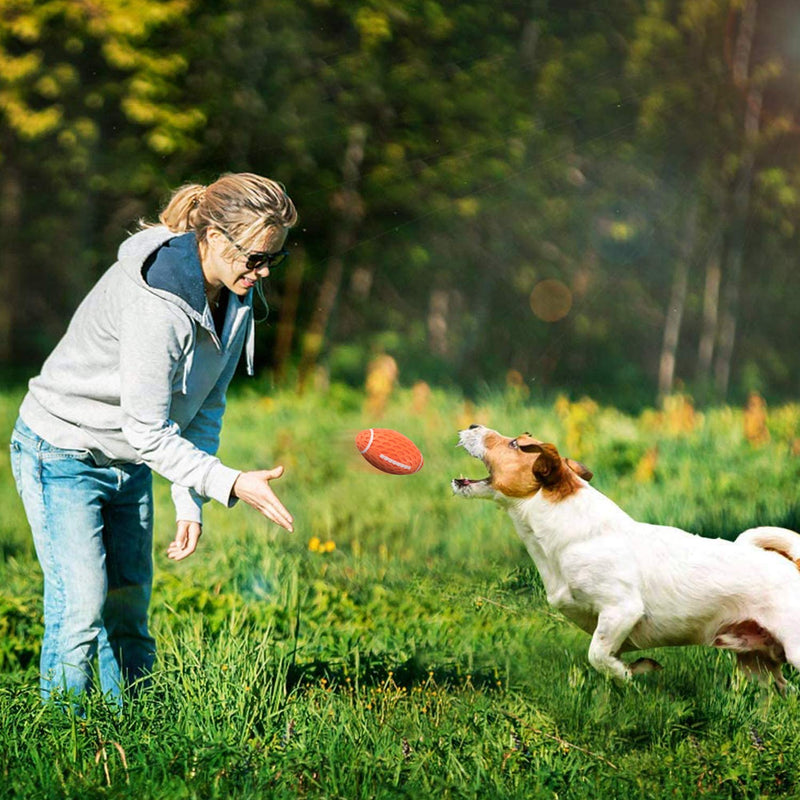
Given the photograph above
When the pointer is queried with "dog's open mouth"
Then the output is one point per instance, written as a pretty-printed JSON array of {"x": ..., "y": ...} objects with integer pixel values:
[
  {"x": 469, "y": 487},
  {"x": 462, "y": 483},
  {"x": 472, "y": 440}
]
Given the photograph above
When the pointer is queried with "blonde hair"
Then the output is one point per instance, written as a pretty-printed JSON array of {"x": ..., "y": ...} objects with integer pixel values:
[{"x": 251, "y": 209}]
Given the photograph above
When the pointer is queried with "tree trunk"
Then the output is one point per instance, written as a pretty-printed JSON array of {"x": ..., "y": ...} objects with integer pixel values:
[
  {"x": 486, "y": 243},
  {"x": 741, "y": 202},
  {"x": 10, "y": 222},
  {"x": 708, "y": 334},
  {"x": 348, "y": 203},
  {"x": 287, "y": 321},
  {"x": 677, "y": 304}
]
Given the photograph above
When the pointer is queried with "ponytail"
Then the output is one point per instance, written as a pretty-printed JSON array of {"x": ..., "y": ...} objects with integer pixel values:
[{"x": 182, "y": 213}]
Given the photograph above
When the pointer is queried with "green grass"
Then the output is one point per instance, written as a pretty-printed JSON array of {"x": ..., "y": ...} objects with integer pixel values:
[{"x": 418, "y": 658}]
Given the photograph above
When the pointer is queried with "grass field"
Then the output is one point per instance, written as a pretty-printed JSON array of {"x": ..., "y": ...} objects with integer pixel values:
[{"x": 398, "y": 643}]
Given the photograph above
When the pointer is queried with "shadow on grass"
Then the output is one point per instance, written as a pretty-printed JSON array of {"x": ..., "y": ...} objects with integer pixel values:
[{"x": 377, "y": 670}]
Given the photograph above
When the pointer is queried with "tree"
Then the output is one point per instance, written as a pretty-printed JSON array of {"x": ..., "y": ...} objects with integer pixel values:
[{"x": 86, "y": 114}]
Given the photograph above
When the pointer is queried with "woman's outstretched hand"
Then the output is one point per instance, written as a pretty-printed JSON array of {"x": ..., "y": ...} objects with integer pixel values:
[
  {"x": 254, "y": 489},
  {"x": 186, "y": 538}
]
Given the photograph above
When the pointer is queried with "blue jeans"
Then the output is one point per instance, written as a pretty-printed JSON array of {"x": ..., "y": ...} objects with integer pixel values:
[{"x": 93, "y": 533}]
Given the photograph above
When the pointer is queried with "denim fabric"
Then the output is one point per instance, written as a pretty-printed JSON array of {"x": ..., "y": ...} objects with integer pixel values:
[{"x": 93, "y": 533}]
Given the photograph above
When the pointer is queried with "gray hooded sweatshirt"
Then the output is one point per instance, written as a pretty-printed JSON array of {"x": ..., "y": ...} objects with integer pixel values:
[{"x": 140, "y": 375}]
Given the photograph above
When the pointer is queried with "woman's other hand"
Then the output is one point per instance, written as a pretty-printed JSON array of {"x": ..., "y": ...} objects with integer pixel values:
[
  {"x": 186, "y": 538},
  {"x": 254, "y": 489}
]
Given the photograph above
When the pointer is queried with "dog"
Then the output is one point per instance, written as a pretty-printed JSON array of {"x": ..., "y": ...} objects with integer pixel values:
[{"x": 634, "y": 585}]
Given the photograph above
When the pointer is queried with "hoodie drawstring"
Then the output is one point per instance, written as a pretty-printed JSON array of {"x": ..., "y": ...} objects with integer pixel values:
[
  {"x": 250, "y": 344},
  {"x": 249, "y": 348},
  {"x": 188, "y": 361}
]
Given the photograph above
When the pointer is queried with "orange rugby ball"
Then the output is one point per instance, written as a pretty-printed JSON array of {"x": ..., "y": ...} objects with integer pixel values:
[{"x": 389, "y": 451}]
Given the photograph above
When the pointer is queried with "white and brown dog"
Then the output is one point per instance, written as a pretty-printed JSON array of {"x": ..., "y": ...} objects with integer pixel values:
[{"x": 634, "y": 585}]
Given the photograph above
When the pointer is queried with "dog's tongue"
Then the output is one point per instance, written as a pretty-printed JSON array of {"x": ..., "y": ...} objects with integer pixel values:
[{"x": 466, "y": 481}]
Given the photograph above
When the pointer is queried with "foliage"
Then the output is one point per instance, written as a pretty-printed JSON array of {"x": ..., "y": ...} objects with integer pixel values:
[
  {"x": 418, "y": 656},
  {"x": 504, "y": 144}
]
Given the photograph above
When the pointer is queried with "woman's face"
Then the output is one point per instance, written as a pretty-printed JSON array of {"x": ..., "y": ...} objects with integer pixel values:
[{"x": 220, "y": 268}]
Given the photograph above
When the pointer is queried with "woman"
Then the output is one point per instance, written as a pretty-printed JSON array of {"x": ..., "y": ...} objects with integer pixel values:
[{"x": 136, "y": 384}]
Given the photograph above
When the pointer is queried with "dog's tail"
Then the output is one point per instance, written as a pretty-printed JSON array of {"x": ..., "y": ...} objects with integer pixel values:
[{"x": 782, "y": 540}]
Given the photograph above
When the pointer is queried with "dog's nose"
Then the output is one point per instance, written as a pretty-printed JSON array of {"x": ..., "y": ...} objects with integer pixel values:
[{"x": 474, "y": 426}]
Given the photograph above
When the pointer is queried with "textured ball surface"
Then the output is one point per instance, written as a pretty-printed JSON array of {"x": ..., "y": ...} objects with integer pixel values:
[{"x": 389, "y": 451}]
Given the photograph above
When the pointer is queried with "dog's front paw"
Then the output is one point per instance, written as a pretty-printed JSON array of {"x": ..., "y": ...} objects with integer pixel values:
[{"x": 643, "y": 665}]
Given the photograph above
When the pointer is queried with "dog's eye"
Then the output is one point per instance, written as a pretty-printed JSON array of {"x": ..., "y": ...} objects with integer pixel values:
[{"x": 513, "y": 444}]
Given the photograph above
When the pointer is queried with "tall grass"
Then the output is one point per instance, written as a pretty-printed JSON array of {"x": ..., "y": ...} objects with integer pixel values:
[{"x": 414, "y": 656}]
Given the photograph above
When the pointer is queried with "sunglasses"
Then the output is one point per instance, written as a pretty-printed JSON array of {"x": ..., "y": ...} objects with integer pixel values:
[{"x": 259, "y": 259}]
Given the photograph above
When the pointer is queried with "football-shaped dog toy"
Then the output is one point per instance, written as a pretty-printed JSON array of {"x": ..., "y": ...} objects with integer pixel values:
[{"x": 389, "y": 451}]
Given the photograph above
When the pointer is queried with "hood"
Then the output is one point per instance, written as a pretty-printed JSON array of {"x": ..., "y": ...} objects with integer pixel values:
[
  {"x": 140, "y": 245},
  {"x": 175, "y": 267},
  {"x": 169, "y": 265}
]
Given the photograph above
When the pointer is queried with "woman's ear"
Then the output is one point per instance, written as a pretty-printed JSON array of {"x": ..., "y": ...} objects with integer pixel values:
[{"x": 215, "y": 237}]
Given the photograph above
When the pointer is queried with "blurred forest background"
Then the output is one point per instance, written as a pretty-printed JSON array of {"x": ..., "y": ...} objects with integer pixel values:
[{"x": 599, "y": 198}]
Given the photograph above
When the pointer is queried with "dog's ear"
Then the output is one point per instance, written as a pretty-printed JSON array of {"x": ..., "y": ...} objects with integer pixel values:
[
  {"x": 546, "y": 468},
  {"x": 579, "y": 469},
  {"x": 528, "y": 444}
]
